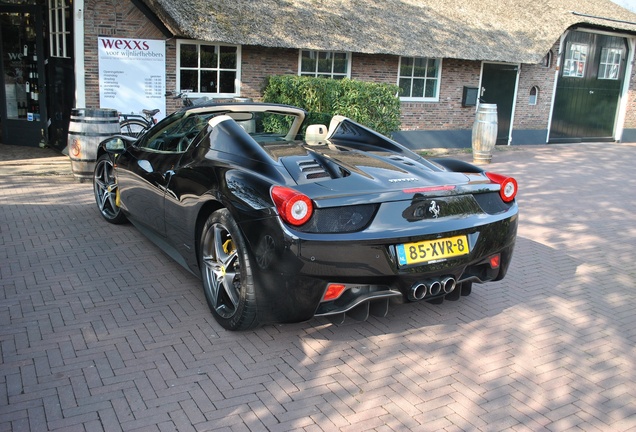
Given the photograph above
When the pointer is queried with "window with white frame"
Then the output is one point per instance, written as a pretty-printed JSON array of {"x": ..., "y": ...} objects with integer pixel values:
[
  {"x": 324, "y": 64},
  {"x": 610, "y": 65},
  {"x": 206, "y": 68},
  {"x": 419, "y": 78},
  {"x": 59, "y": 33}
]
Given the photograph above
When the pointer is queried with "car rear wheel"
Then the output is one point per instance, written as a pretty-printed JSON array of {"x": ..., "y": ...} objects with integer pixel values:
[
  {"x": 107, "y": 191},
  {"x": 227, "y": 274}
]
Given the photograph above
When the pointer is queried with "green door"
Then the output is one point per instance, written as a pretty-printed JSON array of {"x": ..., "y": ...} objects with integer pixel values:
[
  {"x": 498, "y": 83},
  {"x": 589, "y": 88}
]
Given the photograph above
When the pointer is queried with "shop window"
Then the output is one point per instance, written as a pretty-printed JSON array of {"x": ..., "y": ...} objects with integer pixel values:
[
  {"x": 324, "y": 64},
  {"x": 610, "y": 65},
  {"x": 419, "y": 78},
  {"x": 575, "y": 60},
  {"x": 534, "y": 95},
  {"x": 59, "y": 25},
  {"x": 208, "y": 69}
]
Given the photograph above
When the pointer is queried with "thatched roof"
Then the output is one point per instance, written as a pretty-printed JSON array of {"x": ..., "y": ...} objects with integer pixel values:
[{"x": 511, "y": 31}]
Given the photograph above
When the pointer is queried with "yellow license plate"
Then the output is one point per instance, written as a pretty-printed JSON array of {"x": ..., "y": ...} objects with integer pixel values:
[{"x": 432, "y": 250}]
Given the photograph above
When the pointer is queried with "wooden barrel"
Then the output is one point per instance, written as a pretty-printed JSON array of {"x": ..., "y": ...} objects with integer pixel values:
[
  {"x": 87, "y": 128},
  {"x": 484, "y": 133}
]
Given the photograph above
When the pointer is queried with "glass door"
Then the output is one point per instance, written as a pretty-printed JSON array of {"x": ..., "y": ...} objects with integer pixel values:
[{"x": 22, "y": 104}]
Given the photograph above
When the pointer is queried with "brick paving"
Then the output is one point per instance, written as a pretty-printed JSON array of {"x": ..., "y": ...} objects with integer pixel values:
[{"x": 101, "y": 331}]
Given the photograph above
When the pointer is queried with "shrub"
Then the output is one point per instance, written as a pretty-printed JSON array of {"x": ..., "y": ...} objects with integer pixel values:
[{"x": 371, "y": 104}]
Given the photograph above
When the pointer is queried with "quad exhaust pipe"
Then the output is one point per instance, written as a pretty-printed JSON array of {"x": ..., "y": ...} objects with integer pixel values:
[
  {"x": 434, "y": 288},
  {"x": 377, "y": 302},
  {"x": 430, "y": 289},
  {"x": 417, "y": 292},
  {"x": 448, "y": 284}
]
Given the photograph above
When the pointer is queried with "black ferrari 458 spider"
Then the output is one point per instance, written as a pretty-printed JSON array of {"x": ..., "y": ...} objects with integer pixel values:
[{"x": 285, "y": 221}]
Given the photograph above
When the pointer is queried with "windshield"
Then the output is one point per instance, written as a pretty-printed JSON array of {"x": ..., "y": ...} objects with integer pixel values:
[
  {"x": 269, "y": 126},
  {"x": 262, "y": 123},
  {"x": 174, "y": 133}
]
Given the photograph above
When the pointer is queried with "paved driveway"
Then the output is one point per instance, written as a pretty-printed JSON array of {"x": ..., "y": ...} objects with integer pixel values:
[{"x": 101, "y": 331}]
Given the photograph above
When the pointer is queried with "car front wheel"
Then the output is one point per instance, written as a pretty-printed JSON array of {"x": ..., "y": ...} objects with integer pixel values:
[
  {"x": 107, "y": 191},
  {"x": 227, "y": 274}
]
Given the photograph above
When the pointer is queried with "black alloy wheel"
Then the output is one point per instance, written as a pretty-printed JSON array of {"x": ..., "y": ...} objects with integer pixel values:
[
  {"x": 227, "y": 273},
  {"x": 106, "y": 190}
]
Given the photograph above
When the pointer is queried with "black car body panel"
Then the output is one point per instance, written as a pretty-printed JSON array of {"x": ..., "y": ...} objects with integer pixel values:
[{"x": 369, "y": 195}]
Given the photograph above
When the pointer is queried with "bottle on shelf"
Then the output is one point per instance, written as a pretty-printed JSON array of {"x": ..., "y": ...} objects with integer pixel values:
[{"x": 35, "y": 94}]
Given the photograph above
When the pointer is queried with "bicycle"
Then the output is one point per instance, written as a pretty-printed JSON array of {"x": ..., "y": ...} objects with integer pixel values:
[
  {"x": 134, "y": 125},
  {"x": 187, "y": 102}
]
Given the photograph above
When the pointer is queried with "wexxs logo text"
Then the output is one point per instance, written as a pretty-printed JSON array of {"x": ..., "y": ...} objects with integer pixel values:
[{"x": 125, "y": 44}]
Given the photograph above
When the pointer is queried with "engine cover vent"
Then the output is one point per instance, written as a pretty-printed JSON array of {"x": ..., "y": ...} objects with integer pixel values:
[{"x": 312, "y": 170}]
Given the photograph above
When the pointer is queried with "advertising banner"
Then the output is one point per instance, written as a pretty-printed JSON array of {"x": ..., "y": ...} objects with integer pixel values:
[{"x": 132, "y": 75}]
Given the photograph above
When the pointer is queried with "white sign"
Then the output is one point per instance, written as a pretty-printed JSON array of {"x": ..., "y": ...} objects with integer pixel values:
[{"x": 132, "y": 75}]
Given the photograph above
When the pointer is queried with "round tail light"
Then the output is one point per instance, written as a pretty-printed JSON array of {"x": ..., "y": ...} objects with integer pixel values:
[
  {"x": 293, "y": 207},
  {"x": 509, "y": 186}
]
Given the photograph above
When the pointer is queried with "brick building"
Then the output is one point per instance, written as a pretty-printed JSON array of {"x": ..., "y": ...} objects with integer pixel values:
[{"x": 559, "y": 71}]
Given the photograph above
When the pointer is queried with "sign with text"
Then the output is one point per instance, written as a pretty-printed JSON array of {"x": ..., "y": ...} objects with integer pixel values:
[{"x": 132, "y": 75}]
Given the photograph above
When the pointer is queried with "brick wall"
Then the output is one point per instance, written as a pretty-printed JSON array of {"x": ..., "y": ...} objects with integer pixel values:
[
  {"x": 259, "y": 62},
  {"x": 541, "y": 76},
  {"x": 448, "y": 113},
  {"x": 630, "y": 116},
  {"x": 374, "y": 68}
]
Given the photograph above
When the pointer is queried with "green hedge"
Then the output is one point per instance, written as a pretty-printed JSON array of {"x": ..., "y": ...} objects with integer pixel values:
[{"x": 373, "y": 105}]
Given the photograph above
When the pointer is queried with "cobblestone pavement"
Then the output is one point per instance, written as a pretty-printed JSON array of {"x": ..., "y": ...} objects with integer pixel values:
[
  {"x": 101, "y": 331},
  {"x": 32, "y": 161}
]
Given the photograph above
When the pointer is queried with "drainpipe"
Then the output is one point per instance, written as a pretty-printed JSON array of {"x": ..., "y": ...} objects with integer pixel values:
[
  {"x": 78, "y": 47},
  {"x": 556, "y": 81},
  {"x": 622, "y": 107}
]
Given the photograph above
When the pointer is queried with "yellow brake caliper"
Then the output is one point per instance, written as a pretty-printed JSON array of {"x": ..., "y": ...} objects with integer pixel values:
[{"x": 228, "y": 246}]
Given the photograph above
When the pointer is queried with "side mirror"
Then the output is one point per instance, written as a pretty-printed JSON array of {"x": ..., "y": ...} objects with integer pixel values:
[{"x": 114, "y": 145}]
